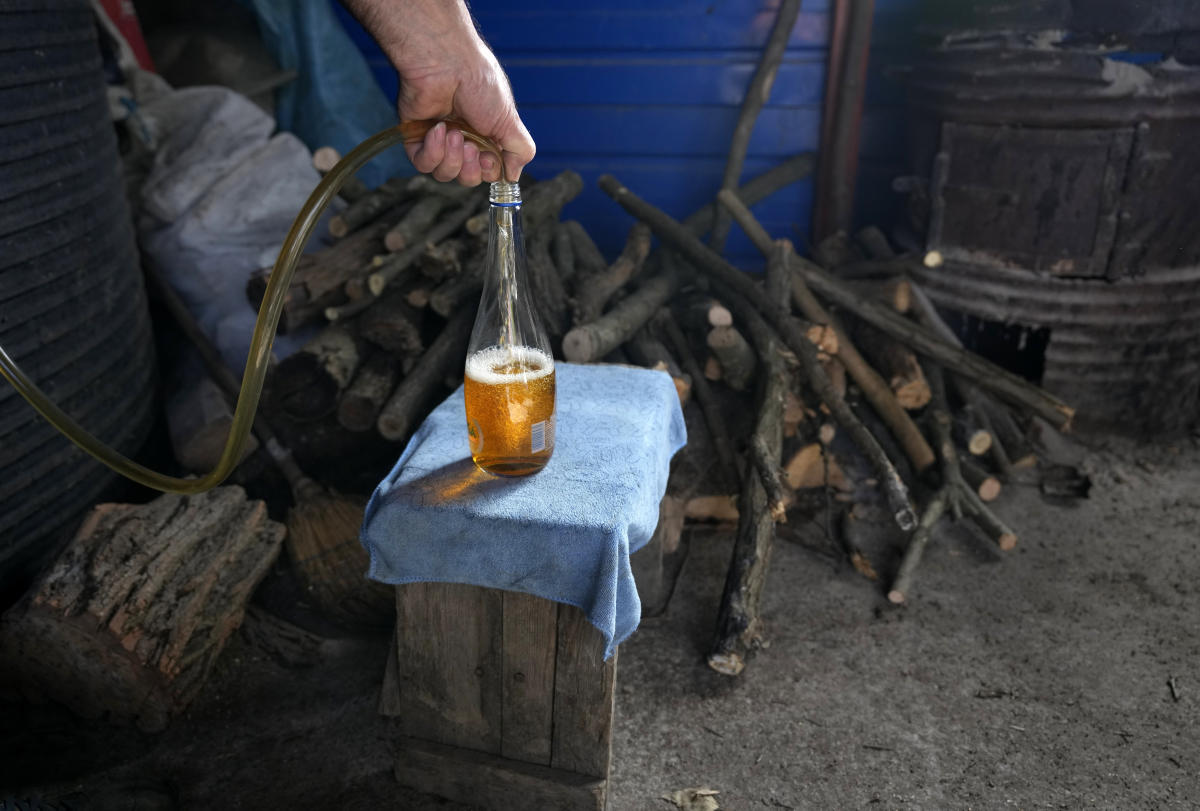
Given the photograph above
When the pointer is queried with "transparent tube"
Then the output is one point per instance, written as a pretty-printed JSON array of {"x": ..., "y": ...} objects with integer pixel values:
[{"x": 260, "y": 347}]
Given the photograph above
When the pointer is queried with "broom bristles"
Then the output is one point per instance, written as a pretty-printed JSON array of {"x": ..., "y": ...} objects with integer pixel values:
[{"x": 322, "y": 542}]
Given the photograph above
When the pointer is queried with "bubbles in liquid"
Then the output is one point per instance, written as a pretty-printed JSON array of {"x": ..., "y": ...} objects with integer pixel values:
[{"x": 510, "y": 394}]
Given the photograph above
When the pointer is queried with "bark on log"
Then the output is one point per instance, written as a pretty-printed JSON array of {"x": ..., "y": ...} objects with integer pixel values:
[
  {"x": 450, "y": 295},
  {"x": 753, "y": 303},
  {"x": 364, "y": 399},
  {"x": 836, "y": 250},
  {"x": 935, "y": 508},
  {"x": 897, "y": 365},
  {"x": 874, "y": 243},
  {"x": 392, "y": 323},
  {"x": 588, "y": 259},
  {"x": 874, "y": 387},
  {"x": 549, "y": 297},
  {"x": 593, "y": 292},
  {"x": 588, "y": 342},
  {"x": 321, "y": 276},
  {"x": 752, "y": 102},
  {"x": 778, "y": 283},
  {"x": 836, "y": 206},
  {"x": 739, "y": 628},
  {"x": 665, "y": 322},
  {"x": 390, "y": 267},
  {"x": 646, "y": 350},
  {"x": 563, "y": 252},
  {"x": 737, "y": 358},
  {"x": 411, "y": 228},
  {"x": 306, "y": 384},
  {"x": 443, "y": 260},
  {"x": 416, "y": 393},
  {"x": 767, "y": 465},
  {"x": 131, "y": 618},
  {"x": 755, "y": 190},
  {"x": 370, "y": 206}
]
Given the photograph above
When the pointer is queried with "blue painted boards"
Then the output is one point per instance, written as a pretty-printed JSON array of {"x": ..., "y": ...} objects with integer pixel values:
[{"x": 650, "y": 92}]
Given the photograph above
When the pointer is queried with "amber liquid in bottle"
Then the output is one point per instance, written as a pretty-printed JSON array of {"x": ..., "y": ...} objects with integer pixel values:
[{"x": 509, "y": 382}]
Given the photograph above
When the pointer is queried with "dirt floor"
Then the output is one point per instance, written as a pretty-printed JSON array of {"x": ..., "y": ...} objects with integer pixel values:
[{"x": 1041, "y": 678}]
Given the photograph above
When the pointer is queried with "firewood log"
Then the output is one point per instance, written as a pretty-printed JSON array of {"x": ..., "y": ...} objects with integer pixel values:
[
  {"x": 755, "y": 97},
  {"x": 443, "y": 260},
  {"x": 360, "y": 405},
  {"x": 131, "y": 618},
  {"x": 897, "y": 365},
  {"x": 321, "y": 276},
  {"x": 412, "y": 227},
  {"x": 594, "y": 292},
  {"x": 646, "y": 350},
  {"x": 588, "y": 259},
  {"x": 549, "y": 297},
  {"x": 465, "y": 288},
  {"x": 563, "y": 252},
  {"x": 306, "y": 384},
  {"x": 737, "y": 358},
  {"x": 587, "y": 342},
  {"x": 388, "y": 268},
  {"x": 738, "y": 624},
  {"x": 392, "y": 323},
  {"x": 415, "y": 394},
  {"x": 370, "y": 206}
]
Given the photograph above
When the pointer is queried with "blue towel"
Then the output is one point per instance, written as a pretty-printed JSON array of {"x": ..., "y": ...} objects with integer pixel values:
[{"x": 565, "y": 533}]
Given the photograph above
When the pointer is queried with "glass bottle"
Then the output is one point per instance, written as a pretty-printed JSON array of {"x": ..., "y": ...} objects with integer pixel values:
[{"x": 509, "y": 380}]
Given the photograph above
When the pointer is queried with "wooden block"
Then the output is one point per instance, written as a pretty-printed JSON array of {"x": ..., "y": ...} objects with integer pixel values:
[
  {"x": 448, "y": 657},
  {"x": 583, "y": 697},
  {"x": 491, "y": 782},
  {"x": 530, "y": 636}
]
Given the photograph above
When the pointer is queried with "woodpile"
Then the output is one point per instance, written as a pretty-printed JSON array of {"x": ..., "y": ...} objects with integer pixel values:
[
  {"x": 859, "y": 393},
  {"x": 837, "y": 381}
]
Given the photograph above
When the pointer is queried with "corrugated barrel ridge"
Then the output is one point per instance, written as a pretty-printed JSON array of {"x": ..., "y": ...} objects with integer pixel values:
[{"x": 73, "y": 310}]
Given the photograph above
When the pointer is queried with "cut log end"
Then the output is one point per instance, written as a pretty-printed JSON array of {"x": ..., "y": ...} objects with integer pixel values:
[
  {"x": 989, "y": 489},
  {"x": 325, "y": 158},
  {"x": 979, "y": 442},
  {"x": 912, "y": 395},
  {"x": 896, "y": 597},
  {"x": 338, "y": 227},
  {"x": 376, "y": 282},
  {"x": 1007, "y": 542}
]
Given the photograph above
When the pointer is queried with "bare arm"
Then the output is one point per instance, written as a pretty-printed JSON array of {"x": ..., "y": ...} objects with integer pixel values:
[{"x": 447, "y": 70}]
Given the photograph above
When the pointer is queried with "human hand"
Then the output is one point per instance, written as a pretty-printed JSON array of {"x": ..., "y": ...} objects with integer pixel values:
[{"x": 447, "y": 71}]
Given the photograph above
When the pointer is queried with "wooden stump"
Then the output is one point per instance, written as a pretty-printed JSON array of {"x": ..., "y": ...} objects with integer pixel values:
[
  {"x": 503, "y": 699},
  {"x": 133, "y": 615}
]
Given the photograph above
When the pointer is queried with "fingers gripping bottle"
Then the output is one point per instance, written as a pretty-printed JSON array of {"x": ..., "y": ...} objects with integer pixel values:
[{"x": 509, "y": 383}]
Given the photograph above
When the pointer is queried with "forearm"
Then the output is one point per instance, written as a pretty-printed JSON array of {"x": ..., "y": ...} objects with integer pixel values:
[{"x": 415, "y": 33}]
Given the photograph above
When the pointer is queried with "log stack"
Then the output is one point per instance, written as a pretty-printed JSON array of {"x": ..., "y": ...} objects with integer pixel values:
[{"x": 812, "y": 388}]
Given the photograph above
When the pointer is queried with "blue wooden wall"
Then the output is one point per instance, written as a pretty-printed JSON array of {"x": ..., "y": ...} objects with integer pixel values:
[{"x": 649, "y": 91}]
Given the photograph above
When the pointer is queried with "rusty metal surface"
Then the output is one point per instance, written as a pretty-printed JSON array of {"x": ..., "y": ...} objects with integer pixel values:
[{"x": 1125, "y": 353}]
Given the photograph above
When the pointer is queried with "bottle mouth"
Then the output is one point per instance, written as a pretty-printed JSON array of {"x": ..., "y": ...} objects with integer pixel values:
[{"x": 504, "y": 193}]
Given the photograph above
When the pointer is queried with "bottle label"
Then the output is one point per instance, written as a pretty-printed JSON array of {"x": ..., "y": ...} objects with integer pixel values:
[{"x": 537, "y": 436}]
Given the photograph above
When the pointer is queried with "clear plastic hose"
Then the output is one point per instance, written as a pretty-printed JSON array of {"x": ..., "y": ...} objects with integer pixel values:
[{"x": 260, "y": 347}]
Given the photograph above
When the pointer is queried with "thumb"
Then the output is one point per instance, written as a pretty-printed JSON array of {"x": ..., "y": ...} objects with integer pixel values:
[{"x": 516, "y": 145}]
